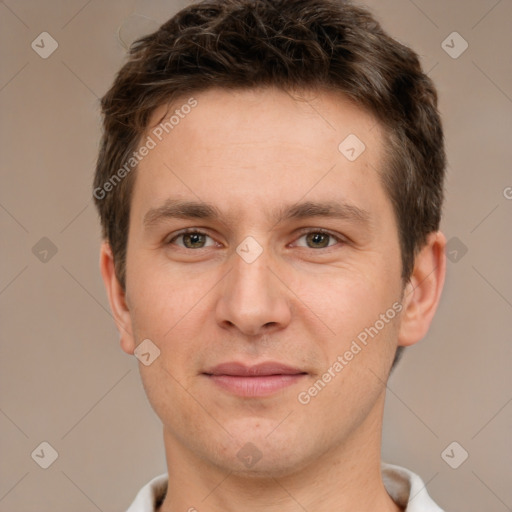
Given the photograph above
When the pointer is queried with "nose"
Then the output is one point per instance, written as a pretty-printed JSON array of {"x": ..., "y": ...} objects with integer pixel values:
[{"x": 253, "y": 300}]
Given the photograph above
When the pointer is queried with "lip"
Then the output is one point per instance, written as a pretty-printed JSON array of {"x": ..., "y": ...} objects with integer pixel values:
[
  {"x": 258, "y": 380},
  {"x": 267, "y": 368}
]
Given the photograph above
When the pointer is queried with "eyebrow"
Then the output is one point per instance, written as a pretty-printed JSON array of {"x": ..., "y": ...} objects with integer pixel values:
[{"x": 179, "y": 209}]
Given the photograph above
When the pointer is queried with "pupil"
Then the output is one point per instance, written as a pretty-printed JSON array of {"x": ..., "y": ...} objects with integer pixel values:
[
  {"x": 318, "y": 239},
  {"x": 193, "y": 239}
]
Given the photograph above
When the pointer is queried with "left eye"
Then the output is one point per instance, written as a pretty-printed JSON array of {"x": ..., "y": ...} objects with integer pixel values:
[{"x": 318, "y": 240}]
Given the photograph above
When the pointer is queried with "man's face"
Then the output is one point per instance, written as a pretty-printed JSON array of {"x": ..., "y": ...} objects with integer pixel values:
[{"x": 272, "y": 279}]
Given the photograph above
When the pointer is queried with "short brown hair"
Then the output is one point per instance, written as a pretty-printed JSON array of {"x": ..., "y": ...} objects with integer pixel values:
[{"x": 293, "y": 45}]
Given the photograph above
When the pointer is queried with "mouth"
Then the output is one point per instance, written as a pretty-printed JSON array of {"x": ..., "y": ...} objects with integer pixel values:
[{"x": 259, "y": 380}]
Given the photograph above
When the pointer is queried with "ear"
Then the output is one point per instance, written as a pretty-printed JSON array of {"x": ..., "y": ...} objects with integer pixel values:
[
  {"x": 423, "y": 292},
  {"x": 117, "y": 299}
]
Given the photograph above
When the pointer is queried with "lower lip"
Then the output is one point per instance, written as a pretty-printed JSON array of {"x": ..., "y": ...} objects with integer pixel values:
[{"x": 263, "y": 385}]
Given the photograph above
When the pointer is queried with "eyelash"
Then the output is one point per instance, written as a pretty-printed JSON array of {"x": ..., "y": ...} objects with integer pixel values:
[{"x": 305, "y": 232}]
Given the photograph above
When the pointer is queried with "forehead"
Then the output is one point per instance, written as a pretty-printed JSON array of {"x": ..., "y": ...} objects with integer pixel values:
[
  {"x": 314, "y": 119},
  {"x": 252, "y": 146}
]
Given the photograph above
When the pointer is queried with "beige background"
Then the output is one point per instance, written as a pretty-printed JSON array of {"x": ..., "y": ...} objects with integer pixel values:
[{"x": 64, "y": 379}]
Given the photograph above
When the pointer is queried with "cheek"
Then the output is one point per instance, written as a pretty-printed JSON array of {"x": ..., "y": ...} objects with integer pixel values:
[
  {"x": 358, "y": 312},
  {"x": 160, "y": 299},
  {"x": 345, "y": 301},
  {"x": 165, "y": 312},
  {"x": 168, "y": 394}
]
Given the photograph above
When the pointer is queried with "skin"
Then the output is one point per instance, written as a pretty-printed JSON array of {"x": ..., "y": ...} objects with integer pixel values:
[{"x": 301, "y": 302}]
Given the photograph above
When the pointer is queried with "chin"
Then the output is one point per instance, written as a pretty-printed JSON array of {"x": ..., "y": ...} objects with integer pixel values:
[{"x": 257, "y": 451}]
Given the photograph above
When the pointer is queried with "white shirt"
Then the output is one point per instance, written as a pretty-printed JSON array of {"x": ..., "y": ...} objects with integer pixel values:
[{"x": 405, "y": 488}]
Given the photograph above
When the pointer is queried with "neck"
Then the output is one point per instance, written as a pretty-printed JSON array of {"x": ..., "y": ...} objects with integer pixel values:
[{"x": 344, "y": 478}]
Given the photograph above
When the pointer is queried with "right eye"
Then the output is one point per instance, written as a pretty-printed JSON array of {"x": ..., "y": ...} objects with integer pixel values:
[{"x": 192, "y": 239}]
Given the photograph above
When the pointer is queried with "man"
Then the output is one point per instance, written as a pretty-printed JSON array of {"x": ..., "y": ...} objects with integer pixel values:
[{"x": 270, "y": 183}]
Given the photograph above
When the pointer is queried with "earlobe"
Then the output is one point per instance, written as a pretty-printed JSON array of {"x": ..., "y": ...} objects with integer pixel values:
[
  {"x": 423, "y": 292},
  {"x": 117, "y": 298}
]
